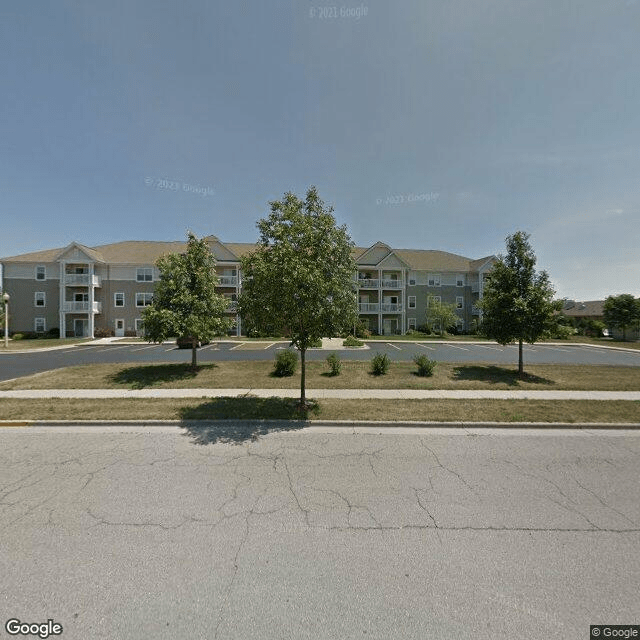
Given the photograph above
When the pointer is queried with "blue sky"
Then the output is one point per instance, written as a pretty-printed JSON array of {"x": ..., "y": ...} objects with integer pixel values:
[{"x": 436, "y": 124}]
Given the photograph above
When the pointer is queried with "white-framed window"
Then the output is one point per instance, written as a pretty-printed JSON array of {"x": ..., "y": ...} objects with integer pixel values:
[
  {"x": 118, "y": 299},
  {"x": 40, "y": 325},
  {"x": 434, "y": 280},
  {"x": 144, "y": 274},
  {"x": 460, "y": 323},
  {"x": 460, "y": 280},
  {"x": 144, "y": 299},
  {"x": 41, "y": 272},
  {"x": 139, "y": 325},
  {"x": 412, "y": 302},
  {"x": 412, "y": 282},
  {"x": 40, "y": 299},
  {"x": 411, "y": 322},
  {"x": 81, "y": 297},
  {"x": 459, "y": 302},
  {"x": 433, "y": 299}
]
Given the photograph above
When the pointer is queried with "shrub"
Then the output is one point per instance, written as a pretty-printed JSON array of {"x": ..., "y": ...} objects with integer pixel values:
[
  {"x": 316, "y": 344},
  {"x": 53, "y": 332},
  {"x": 562, "y": 332},
  {"x": 350, "y": 341},
  {"x": 285, "y": 364},
  {"x": 335, "y": 366},
  {"x": 18, "y": 336},
  {"x": 380, "y": 364},
  {"x": 103, "y": 333},
  {"x": 425, "y": 366},
  {"x": 424, "y": 329}
]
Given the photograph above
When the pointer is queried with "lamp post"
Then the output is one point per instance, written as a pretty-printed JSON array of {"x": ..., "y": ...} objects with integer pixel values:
[{"x": 5, "y": 297}]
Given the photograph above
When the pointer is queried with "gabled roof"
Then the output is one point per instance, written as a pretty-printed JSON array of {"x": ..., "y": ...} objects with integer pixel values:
[
  {"x": 578, "y": 309},
  {"x": 75, "y": 248}
]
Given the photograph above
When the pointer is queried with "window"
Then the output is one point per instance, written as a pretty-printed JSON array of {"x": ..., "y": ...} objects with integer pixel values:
[
  {"x": 81, "y": 297},
  {"x": 40, "y": 325},
  {"x": 118, "y": 299},
  {"x": 459, "y": 280},
  {"x": 434, "y": 299},
  {"x": 412, "y": 302},
  {"x": 459, "y": 302},
  {"x": 139, "y": 325},
  {"x": 412, "y": 323},
  {"x": 434, "y": 280},
  {"x": 412, "y": 281},
  {"x": 144, "y": 299},
  {"x": 145, "y": 274},
  {"x": 40, "y": 299},
  {"x": 41, "y": 273}
]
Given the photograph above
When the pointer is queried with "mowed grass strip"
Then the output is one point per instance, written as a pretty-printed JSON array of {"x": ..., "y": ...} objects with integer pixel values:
[
  {"x": 252, "y": 408},
  {"x": 355, "y": 375}
]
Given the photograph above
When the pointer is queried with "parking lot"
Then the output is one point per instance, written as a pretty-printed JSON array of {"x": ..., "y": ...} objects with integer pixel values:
[{"x": 13, "y": 365}]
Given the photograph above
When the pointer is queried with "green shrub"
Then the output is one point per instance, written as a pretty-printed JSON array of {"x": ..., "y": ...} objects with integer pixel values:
[
  {"x": 54, "y": 332},
  {"x": 316, "y": 344},
  {"x": 350, "y": 341},
  {"x": 425, "y": 366},
  {"x": 335, "y": 366},
  {"x": 285, "y": 364},
  {"x": 362, "y": 330},
  {"x": 18, "y": 336},
  {"x": 380, "y": 364}
]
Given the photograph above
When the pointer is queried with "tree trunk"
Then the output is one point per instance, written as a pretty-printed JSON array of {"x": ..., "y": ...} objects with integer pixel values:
[
  {"x": 194, "y": 361},
  {"x": 303, "y": 399},
  {"x": 520, "y": 362}
]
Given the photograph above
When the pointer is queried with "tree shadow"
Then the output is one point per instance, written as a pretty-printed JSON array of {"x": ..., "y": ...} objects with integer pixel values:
[
  {"x": 496, "y": 375},
  {"x": 236, "y": 420},
  {"x": 150, "y": 375}
]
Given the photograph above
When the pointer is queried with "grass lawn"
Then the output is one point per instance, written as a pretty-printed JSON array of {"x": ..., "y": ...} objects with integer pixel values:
[
  {"x": 355, "y": 375},
  {"x": 247, "y": 408},
  {"x": 40, "y": 343}
]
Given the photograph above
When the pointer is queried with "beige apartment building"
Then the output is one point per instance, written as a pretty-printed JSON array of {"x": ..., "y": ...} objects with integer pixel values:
[{"x": 87, "y": 290}]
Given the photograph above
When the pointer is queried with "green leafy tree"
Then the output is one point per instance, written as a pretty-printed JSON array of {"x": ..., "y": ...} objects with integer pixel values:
[
  {"x": 299, "y": 281},
  {"x": 440, "y": 315},
  {"x": 185, "y": 302},
  {"x": 622, "y": 312},
  {"x": 518, "y": 302}
]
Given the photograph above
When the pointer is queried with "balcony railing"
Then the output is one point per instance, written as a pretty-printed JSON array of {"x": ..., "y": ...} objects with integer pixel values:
[
  {"x": 232, "y": 307},
  {"x": 227, "y": 281},
  {"x": 369, "y": 307},
  {"x": 389, "y": 307},
  {"x": 475, "y": 311},
  {"x": 392, "y": 283},
  {"x": 82, "y": 279},
  {"x": 368, "y": 283},
  {"x": 81, "y": 307}
]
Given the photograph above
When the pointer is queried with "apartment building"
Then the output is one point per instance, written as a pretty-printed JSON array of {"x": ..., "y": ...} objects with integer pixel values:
[{"x": 82, "y": 290}]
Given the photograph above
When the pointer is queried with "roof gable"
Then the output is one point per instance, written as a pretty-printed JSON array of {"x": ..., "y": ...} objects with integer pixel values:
[
  {"x": 76, "y": 252},
  {"x": 374, "y": 254}
]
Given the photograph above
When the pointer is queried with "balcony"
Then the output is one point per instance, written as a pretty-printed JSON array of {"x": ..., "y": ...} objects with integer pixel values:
[
  {"x": 475, "y": 311},
  {"x": 369, "y": 307},
  {"x": 393, "y": 283},
  {"x": 81, "y": 307},
  {"x": 82, "y": 279},
  {"x": 390, "y": 307},
  {"x": 228, "y": 281},
  {"x": 368, "y": 283},
  {"x": 232, "y": 307}
]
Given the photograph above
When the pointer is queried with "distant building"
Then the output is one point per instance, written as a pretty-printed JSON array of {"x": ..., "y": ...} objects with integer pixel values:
[
  {"x": 83, "y": 290},
  {"x": 589, "y": 310}
]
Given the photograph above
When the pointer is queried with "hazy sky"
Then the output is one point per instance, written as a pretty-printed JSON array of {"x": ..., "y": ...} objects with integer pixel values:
[{"x": 427, "y": 124}]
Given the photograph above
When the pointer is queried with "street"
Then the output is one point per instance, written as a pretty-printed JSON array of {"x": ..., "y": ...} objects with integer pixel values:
[
  {"x": 13, "y": 365},
  {"x": 324, "y": 532}
]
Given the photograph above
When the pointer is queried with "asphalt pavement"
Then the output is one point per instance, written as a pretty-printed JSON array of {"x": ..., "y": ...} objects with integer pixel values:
[{"x": 123, "y": 533}]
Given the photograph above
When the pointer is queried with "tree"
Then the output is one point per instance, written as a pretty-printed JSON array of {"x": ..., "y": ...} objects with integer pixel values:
[
  {"x": 185, "y": 302},
  {"x": 621, "y": 311},
  {"x": 440, "y": 315},
  {"x": 518, "y": 302},
  {"x": 299, "y": 281}
]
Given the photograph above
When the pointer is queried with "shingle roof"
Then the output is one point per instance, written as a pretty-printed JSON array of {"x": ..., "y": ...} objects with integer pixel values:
[{"x": 588, "y": 308}]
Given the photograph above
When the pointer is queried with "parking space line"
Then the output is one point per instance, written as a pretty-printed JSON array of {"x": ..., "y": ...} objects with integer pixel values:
[
  {"x": 210, "y": 347},
  {"x": 171, "y": 349},
  {"x": 269, "y": 346},
  {"x": 424, "y": 346},
  {"x": 453, "y": 346},
  {"x": 544, "y": 346},
  {"x": 151, "y": 346},
  {"x": 394, "y": 346},
  {"x": 237, "y": 346},
  {"x": 484, "y": 346}
]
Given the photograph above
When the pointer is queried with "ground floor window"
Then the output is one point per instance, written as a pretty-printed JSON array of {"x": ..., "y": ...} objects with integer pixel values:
[
  {"x": 40, "y": 325},
  {"x": 139, "y": 326},
  {"x": 411, "y": 323}
]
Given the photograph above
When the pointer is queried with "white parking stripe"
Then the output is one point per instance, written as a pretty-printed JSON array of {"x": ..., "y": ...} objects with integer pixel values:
[
  {"x": 151, "y": 346},
  {"x": 394, "y": 346},
  {"x": 544, "y": 346},
  {"x": 454, "y": 347},
  {"x": 484, "y": 346},
  {"x": 269, "y": 346},
  {"x": 424, "y": 346},
  {"x": 238, "y": 345}
]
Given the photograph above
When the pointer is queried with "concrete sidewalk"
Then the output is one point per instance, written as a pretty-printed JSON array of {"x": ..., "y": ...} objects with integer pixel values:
[{"x": 321, "y": 394}]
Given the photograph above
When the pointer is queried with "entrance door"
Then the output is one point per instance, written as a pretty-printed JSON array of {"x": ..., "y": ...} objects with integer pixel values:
[
  {"x": 80, "y": 328},
  {"x": 389, "y": 326},
  {"x": 119, "y": 328}
]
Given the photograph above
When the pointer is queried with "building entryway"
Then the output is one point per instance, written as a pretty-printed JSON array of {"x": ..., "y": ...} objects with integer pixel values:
[
  {"x": 389, "y": 326},
  {"x": 80, "y": 328},
  {"x": 119, "y": 332}
]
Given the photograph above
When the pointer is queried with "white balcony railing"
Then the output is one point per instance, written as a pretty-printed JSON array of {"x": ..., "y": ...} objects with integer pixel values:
[
  {"x": 389, "y": 307},
  {"x": 392, "y": 283},
  {"x": 475, "y": 311},
  {"x": 81, "y": 307},
  {"x": 369, "y": 307},
  {"x": 82, "y": 279},
  {"x": 227, "y": 281},
  {"x": 368, "y": 283},
  {"x": 232, "y": 307}
]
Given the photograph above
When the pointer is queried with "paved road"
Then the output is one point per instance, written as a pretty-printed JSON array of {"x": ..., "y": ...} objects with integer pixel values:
[
  {"x": 134, "y": 532},
  {"x": 14, "y": 365}
]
